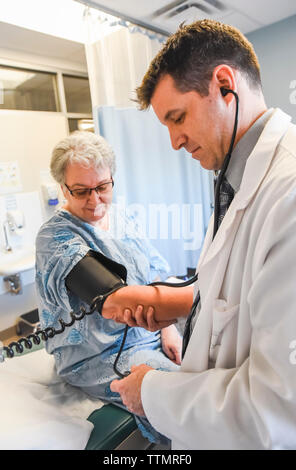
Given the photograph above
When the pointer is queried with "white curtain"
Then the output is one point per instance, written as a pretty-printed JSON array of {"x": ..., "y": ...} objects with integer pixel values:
[
  {"x": 116, "y": 59},
  {"x": 168, "y": 191}
]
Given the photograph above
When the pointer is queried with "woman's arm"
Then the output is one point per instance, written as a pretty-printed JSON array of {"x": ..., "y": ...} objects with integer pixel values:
[{"x": 148, "y": 305}]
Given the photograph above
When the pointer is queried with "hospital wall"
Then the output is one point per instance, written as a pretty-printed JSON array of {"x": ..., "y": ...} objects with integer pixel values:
[
  {"x": 28, "y": 137},
  {"x": 275, "y": 48}
]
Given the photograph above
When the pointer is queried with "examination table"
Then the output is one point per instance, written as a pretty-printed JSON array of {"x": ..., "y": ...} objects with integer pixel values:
[{"x": 40, "y": 411}]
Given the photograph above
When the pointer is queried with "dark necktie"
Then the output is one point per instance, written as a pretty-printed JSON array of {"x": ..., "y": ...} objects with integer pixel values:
[
  {"x": 226, "y": 196},
  {"x": 225, "y": 199}
]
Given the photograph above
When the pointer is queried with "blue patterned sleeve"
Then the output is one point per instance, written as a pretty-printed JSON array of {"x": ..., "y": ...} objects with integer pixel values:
[{"x": 58, "y": 250}]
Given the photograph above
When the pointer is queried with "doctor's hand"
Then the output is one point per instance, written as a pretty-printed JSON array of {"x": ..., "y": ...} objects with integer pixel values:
[
  {"x": 121, "y": 300},
  {"x": 134, "y": 306},
  {"x": 145, "y": 318},
  {"x": 129, "y": 389}
]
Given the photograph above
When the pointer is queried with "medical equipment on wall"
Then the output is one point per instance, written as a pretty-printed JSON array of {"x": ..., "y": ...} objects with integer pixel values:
[
  {"x": 50, "y": 193},
  {"x": 95, "y": 277}
]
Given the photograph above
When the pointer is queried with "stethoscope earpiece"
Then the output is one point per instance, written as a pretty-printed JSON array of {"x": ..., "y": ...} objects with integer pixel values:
[{"x": 224, "y": 91}]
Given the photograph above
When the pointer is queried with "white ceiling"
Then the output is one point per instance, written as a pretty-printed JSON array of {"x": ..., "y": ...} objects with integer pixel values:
[
  {"x": 166, "y": 15},
  {"x": 247, "y": 15},
  {"x": 30, "y": 42}
]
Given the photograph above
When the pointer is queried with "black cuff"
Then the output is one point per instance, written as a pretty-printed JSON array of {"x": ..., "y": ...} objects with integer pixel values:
[{"x": 94, "y": 276}]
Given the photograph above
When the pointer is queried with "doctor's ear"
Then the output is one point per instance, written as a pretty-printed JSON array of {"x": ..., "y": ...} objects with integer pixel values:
[{"x": 223, "y": 77}]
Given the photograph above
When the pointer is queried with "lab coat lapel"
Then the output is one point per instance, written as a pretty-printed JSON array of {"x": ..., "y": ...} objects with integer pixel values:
[{"x": 256, "y": 168}]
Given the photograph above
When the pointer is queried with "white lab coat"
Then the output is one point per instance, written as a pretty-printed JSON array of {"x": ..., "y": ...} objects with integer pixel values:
[{"x": 237, "y": 384}]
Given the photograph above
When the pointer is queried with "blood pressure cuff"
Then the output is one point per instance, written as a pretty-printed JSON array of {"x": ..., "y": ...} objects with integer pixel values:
[{"x": 96, "y": 275}]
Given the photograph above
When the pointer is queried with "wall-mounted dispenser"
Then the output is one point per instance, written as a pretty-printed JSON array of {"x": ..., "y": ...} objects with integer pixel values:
[{"x": 50, "y": 193}]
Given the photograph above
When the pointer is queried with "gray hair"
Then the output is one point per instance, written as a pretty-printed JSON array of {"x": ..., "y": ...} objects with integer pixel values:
[{"x": 86, "y": 148}]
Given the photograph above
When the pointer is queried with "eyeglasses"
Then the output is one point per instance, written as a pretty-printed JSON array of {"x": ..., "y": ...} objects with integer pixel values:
[{"x": 86, "y": 192}]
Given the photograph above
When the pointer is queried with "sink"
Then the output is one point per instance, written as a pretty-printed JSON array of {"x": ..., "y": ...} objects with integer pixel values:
[{"x": 16, "y": 261}]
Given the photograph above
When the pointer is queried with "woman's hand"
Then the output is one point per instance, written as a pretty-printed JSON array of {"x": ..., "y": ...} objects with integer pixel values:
[{"x": 172, "y": 343}]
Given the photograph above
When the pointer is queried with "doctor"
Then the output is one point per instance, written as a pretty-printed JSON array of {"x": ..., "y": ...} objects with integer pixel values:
[{"x": 237, "y": 385}]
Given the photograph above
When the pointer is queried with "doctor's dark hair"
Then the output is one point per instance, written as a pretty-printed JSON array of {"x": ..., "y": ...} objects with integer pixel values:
[
  {"x": 86, "y": 148},
  {"x": 191, "y": 54}
]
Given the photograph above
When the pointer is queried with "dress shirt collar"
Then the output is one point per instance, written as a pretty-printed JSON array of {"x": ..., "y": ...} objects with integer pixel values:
[{"x": 243, "y": 149}]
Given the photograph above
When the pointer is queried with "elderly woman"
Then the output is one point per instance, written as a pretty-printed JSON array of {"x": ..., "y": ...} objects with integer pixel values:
[{"x": 83, "y": 164}]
